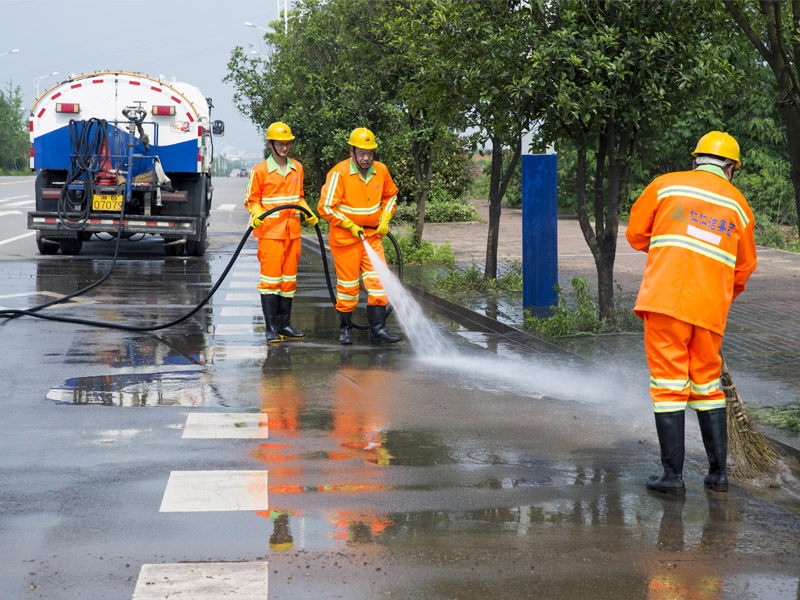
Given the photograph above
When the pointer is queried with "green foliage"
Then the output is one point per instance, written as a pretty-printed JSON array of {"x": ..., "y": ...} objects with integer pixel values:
[
  {"x": 471, "y": 281},
  {"x": 426, "y": 254},
  {"x": 14, "y": 143},
  {"x": 786, "y": 416},
  {"x": 584, "y": 318}
]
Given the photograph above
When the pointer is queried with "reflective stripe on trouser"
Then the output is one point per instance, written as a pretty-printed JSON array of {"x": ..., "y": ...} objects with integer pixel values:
[
  {"x": 684, "y": 364},
  {"x": 352, "y": 261},
  {"x": 278, "y": 259}
]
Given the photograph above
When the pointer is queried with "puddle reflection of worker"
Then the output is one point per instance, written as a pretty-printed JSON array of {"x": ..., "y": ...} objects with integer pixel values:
[
  {"x": 677, "y": 574},
  {"x": 358, "y": 527},
  {"x": 281, "y": 538},
  {"x": 359, "y": 423}
]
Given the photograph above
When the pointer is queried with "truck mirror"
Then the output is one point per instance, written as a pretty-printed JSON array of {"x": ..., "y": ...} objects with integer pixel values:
[{"x": 218, "y": 128}]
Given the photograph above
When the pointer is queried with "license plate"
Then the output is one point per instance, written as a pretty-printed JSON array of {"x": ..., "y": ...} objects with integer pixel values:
[{"x": 107, "y": 202}]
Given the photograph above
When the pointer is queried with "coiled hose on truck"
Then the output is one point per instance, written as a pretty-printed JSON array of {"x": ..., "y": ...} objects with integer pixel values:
[{"x": 34, "y": 311}]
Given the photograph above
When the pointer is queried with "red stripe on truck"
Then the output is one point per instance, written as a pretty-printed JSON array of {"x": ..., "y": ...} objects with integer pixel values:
[
  {"x": 155, "y": 89},
  {"x": 135, "y": 83},
  {"x": 54, "y": 96},
  {"x": 75, "y": 85},
  {"x": 178, "y": 100}
]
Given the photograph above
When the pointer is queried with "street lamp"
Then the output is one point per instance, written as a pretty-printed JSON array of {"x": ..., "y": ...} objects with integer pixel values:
[
  {"x": 38, "y": 79},
  {"x": 15, "y": 50},
  {"x": 254, "y": 26}
]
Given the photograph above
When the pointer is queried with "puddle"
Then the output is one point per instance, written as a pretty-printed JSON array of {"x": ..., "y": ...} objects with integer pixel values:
[{"x": 185, "y": 388}]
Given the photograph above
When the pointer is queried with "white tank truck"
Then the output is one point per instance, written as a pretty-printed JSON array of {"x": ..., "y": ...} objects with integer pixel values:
[{"x": 115, "y": 140}]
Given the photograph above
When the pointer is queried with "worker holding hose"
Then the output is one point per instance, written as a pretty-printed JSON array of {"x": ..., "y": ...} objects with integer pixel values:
[
  {"x": 358, "y": 200},
  {"x": 697, "y": 230},
  {"x": 274, "y": 182}
]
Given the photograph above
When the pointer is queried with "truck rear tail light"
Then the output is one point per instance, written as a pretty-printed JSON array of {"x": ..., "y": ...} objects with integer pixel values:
[
  {"x": 63, "y": 107},
  {"x": 168, "y": 111}
]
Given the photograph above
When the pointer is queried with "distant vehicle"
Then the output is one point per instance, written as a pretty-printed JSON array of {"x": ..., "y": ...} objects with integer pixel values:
[
  {"x": 85, "y": 146},
  {"x": 243, "y": 173}
]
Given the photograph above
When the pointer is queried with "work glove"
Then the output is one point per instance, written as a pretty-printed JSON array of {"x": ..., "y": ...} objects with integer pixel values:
[
  {"x": 256, "y": 211},
  {"x": 383, "y": 227},
  {"x": 356, "y": 230},
  {"x": 311, "y": 220}
]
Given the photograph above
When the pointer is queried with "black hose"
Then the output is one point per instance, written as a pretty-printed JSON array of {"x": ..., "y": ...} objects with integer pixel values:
[
  {"x": 87, "y": 139},
  {"x": 33, "y": 312}
]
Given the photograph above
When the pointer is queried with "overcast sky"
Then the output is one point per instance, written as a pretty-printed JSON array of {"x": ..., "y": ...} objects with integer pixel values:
[{"x": 189, "y": 40}]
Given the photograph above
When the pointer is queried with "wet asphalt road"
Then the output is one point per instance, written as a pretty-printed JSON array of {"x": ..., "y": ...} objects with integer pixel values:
[{"x": 488, "y": 472}]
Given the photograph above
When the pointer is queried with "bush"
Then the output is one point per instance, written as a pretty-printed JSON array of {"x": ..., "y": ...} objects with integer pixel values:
[
  {"x": 584, "y": 319},
  {"x": 471, "y": 281},
  {"x": 441, "y": 207},
  {"x": 427, "y": 254}
]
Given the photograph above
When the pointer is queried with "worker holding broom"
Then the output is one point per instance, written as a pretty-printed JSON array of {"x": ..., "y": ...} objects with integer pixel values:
[{"x": 697, "y": 230}]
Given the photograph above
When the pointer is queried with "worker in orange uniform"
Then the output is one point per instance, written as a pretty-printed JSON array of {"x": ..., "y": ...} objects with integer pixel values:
[
  {"x": 697, "y": 230},
  {"x": 359, "y": 193},
  {"x": 275, "y": 182}
]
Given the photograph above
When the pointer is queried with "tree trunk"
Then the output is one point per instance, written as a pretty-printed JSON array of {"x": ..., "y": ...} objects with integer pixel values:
[
  {"x": 498, "y": 184},
  {"x": 423, "y": 171}
]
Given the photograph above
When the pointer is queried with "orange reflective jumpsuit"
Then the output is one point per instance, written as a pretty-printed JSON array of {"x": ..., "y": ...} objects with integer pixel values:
[
  {"x": 346, "y": 194},
  {"x": 279, "y": 235},
  {"x": 697, "y": 230}
]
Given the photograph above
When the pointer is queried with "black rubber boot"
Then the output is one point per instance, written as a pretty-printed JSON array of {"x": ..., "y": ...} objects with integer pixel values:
[
  {"x": 376, "y": 315},
  {"x": 714, "y": 428},
  {"x": 670, "y": 428},
  {"x": 285, "y": 330},
  {"x": 269, "y": 305},
  {"x": 345, "y": 328}
]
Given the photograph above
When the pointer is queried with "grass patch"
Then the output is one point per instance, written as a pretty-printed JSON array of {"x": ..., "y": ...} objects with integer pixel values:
[
  {"x": 427, "y": 254},
  {"x": 584, "y": 318},
  {"x": 471, "y": 282},
  {"x": 786, "y": 416}
]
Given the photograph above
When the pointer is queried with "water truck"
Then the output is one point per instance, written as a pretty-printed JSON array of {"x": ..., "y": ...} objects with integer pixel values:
[{"x": 124, "y": 154}]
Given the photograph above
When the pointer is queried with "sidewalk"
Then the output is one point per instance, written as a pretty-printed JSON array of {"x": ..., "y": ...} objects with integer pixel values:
[{"x": 762, "y": 340}]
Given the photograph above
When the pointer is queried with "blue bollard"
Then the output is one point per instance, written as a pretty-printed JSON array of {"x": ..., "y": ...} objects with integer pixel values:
[{"x": 539, "y": 233}]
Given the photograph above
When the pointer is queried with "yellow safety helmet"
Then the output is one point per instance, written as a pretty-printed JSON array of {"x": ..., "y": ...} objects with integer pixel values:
[
  {"x": 720, "y": 144},
  {"x": 363, "y": 138},
  {"x": 279, "y": 132}
]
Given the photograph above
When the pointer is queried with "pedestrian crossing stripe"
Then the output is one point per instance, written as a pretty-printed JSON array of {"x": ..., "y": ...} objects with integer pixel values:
[
  {"x": 226, "y": 425},
  {"x": 207, "y": 491},
  {"x": 203, "y": 581},
  {"x": 678, "y": 214},
  {"x": 225, "y": 207},
  {"x": 240, "y": 297}
]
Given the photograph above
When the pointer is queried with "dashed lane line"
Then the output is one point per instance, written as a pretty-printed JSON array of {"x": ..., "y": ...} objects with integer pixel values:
[
  {"x": 225, "y": 207},
  {"x": 4, "y": 200},
  {"x": 206, "y": 491},
  {"x": 203, "y": 581},
  {"x": 18, "y": 237},
  {"x": 10, "y": 212},
  {"x": 226, "y": 425}
]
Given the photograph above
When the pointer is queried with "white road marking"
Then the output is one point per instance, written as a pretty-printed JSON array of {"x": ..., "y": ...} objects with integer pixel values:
[
  {"x": 234, "y": 297},
  {"x": 19, "y": 237},
  {"x": 4, "y": 200},
  {"x": 21, "y": 203},
  {"x": 203, "y": 581},
  {"x": 238, "y": 352},
  {"x": 202, "y": 491},
  {"x": 10, "y": 212},
  {"x": 241, "y": 311},
  {"x": 234, "y": 329},
  {"x": 226, "y": 207},
  {"x": 226, "y": 425},
  {"x": 243, "y": 284}
]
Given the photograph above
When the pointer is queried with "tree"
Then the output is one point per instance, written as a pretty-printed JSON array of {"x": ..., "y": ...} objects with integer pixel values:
[
  {"x": 484, "y": 46},
  {"x": 779, "y": 46},
  {"x": 615, "y": 73},
  {"x": 14, "y": 141}
]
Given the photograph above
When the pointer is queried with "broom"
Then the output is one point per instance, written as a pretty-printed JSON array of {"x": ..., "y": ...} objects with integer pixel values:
[{"x": 749, "y": 451}]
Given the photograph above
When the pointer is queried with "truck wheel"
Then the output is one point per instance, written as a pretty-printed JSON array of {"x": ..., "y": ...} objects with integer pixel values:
[
  {"x": 46, "y": 245},
  {"x": 197, "y": 247},
  {"x": 70, "y": 246}
]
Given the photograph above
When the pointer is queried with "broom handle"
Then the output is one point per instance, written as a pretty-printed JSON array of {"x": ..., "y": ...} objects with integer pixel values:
[{"x": 732, "y": 399}]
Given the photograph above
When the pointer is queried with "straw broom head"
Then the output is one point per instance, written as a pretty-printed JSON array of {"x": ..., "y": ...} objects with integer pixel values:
[{"x": 749, "y": 452}]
